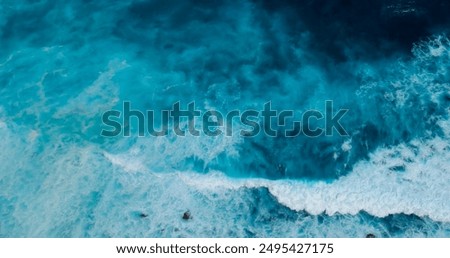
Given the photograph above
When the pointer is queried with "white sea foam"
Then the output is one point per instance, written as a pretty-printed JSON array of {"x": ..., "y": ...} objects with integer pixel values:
[{"x": 409, "y": 178}]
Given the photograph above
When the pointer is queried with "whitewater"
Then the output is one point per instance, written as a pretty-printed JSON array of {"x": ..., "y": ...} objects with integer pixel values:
[{"x": 63, "y": 65}]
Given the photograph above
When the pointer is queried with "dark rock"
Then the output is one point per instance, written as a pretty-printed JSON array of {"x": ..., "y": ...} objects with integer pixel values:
[
  {"x": 187, "y": 215},
  {"x": 370, "y": 236}
]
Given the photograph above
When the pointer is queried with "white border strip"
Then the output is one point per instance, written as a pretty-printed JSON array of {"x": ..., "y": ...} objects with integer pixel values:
[{"x": 358, "y": 248}]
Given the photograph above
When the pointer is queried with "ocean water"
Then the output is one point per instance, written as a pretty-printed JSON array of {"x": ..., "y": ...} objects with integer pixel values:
[{"x": 63, "y": 64}]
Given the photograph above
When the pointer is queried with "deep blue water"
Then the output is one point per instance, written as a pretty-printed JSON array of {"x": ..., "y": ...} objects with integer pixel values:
[{"x": 63, "y": 64}]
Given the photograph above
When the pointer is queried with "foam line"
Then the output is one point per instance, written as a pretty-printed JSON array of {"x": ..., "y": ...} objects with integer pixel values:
[{"x": 408, "y": 178}]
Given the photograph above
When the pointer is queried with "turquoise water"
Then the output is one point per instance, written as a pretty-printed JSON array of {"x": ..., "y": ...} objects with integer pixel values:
[{"x": 62, "y": 65}]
